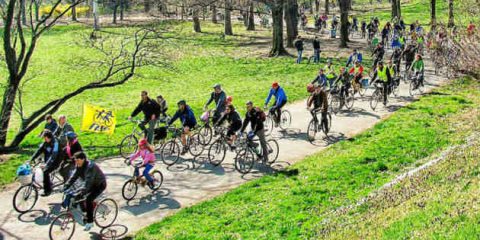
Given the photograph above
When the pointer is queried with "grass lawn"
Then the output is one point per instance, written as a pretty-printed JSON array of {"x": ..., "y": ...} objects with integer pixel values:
[
  {"x": 199, "y": 61},
  {"x": 293, "y": 204}
]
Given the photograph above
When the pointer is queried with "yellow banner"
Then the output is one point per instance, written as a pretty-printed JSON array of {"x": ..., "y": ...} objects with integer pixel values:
[{"x": 98, "y": 119}]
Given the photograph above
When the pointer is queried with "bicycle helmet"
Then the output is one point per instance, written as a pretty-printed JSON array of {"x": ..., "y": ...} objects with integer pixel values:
[
  {"x": 249, "y": 103},
  {"x": 229, "y": 99},
  {"x": 250, "y": 135},
  {"x": 71, "y": 135},
  {"x": 274, "y": 84},
  {"x": 182, "y": 102},
  {"x": 310, "y": 88},
  {"x": 142, "y": 142},
  {"x": 217, "y": 85}
]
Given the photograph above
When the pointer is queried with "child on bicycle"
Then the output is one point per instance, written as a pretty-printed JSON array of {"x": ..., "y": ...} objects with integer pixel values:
[{"x": 146, "y": 152}]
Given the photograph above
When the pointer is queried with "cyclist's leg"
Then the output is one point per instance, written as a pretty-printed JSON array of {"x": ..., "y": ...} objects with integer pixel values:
[
  {"x": 186, "y": 132},
  {"x": 324, "y": 120},
  {"x": 142, "y": 126},
  {"x": 151, "y": 128},
  {"x": 47, "y": 183},
  {"x": 95, "y": 192},
  {"x": 263, "y": 142},
  {"x": 146, "y": 171},
  {"x": 136, "y": 172},
  {"x": 385, "y": 92}
]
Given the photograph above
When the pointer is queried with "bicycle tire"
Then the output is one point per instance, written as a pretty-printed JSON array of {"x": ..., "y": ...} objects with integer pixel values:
[
  {"x": 170, "y": 153},
  {"x": 349, "y": 101},
  {"x": 130, "y": 184},
  {"x": 157, "y": 178},
  {"x": 374, "y": 100},
  {"x": 195, "y": 146},
  {"x": 411, "y": 88},
  {"x": 128, "y": 146},
  {"x": 268, "y": 126},
  {"x": 273, "y": 151},
  {"x": 335, "y": 104},
  {"x": 30, "y": 189},
  {"x": 244, "y": 161},
  {"x": 103, "y": 206},
  {"x": 217, "y": 153},
  {"x": 312, "y": 130},
  {"x": 207, "y": 134},
  {"x": 285, "y": 119},
  {"x": 63, "y": 220}
]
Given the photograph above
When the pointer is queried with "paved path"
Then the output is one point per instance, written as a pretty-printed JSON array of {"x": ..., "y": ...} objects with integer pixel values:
[{"x": 191, "y": 182}]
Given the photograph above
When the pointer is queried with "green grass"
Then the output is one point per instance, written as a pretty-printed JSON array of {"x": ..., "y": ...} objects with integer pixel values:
[
  {"x": 292, "y": 205},
  {"x": 199, "y": 61}
]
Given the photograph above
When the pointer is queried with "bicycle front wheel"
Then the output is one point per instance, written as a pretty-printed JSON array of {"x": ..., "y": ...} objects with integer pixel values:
[
  {"x": 129, "y": 190},
  {"x": 105, "y": 213},
  {"x": 244, "y": 161},
  {"x": 312, "y": 130},
  {"x": 335, "y": 104},
  {"x": 285, "y": 119},
  {"x": 216, "y": 153},
  {"x": 273, "y": 150},
  {"x": 62, "y": 227},
  {"x": 25, "y": 198},
  {"x": 195, "y": 146},
  {"x": 374, "y": 99},
  {"x": 206, "y": 133},
  {"x": 349, "y": 101},
  {"x": 268, "y": 126},
  {"x": 128, "y": 146},
  {"x": 170, "y": 153}
]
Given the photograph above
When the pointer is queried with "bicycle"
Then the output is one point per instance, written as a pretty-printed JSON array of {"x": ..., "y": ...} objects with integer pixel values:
[
  {"x": 416, "y": 87},
  {"x": 26, "y": 195},
  {"x": 270, "y": 122},
  {"x": 251, "y": 152},
  {"x": 218, "y": 150},
  {"x": 360, "y": 87},
  {"x": 170, "y": 152},
  {"x": 129, "y": 143},
  {"x": 316, "y": 126},
  {"x": 338, "y": 100},
  {"x": 105, "y": 213},
  {"x": 377, "y": 95},
  {"x": 130, "y": 187}
]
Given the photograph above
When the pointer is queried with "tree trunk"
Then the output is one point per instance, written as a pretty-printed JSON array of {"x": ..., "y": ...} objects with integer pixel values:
[
  {"x": 451, "y": 17},
  {"x": 277, "y": 16},
  {"x": 291, "y": 20},
  {"x": 311, "y": 6},
  {"x": 394, "y": 9},
  {"x": 245, "y": 18},
  {"x": 343, "y": 22},
  {"x": 115, "y": 10},
  {"x": 9, "y": 96},
  {"x": 196, "y": 21},
  {"x": 327, "y": 7},
  {"x": 251, "y": 17},
  {"x": 37, "y": 10},
  {"x": 122, "y": 9},
  {"x": 399, "y": 8},
  {"x": 146, "y": 5},
  {"x": 228, "y": 18},
  {"x": 317, "y": 6},
  {"x": 183, "y": 10},
  {"x": 214, "y": 14},
  {"x": 23, "y": 11},
  {"x": 433, "y": 12},
  {"x": 74, "y": 13}
]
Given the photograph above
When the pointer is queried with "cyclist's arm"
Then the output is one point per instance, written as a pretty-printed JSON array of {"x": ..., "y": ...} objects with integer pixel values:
[
  {"x": 55, "y": 151},
  {"x": 246, "y": 121},
  {"x": 137, "y": 110},
  {"x": 37, "y": 153},
  {"x": 324, "y": 101},
  {"x": 209, "y": 100},
  {"x": 134, "y": 156},
  {"x": 72, "y": 179},
  {"x": 221, "y": 100},
  {"x": 389, "y": 77},
  {"x": 174, "y": 118},
  {"x": 269, "y": 97},
  {"x": 221, "y": 120},
  {"x": 375, "y": 74}
]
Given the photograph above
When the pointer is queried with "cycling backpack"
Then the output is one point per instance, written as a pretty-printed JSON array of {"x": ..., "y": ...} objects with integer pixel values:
[{"x": 262, "y": 114}]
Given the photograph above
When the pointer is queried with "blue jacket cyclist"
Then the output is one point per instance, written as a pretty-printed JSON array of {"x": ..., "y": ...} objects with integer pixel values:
[
  {"x": 187, "y": 117},
  {"x": 280, "y": 101}
]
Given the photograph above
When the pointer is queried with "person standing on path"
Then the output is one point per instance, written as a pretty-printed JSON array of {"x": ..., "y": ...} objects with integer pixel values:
[
  {"x": 255, "y": 116},
  {"x": 151, "y": 111},
  {"x": 299, "y": 47},
  {"x": 316, "y": 50}
]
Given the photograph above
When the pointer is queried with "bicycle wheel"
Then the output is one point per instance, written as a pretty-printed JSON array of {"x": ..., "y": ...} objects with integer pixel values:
[
  {"x": 362, "y": 90},
  {"x": 195, "y": 146},
  {"x": 244, "y": 161},
  {"x": 170, "y": 153},
  {"x": 396, "y": 88},
  {"x": 217, "y": 152},
  {"x": 329, "y": 124},
  {"x": 128, "y": 146},
  {"x": 412, "y": 88},
  {"x": 285, "y": 119},
  {"x": 349, "y": 100},
  {"x": 312, "y": 130},
  {"x": 273, "y": 150},
  {"x": 129, "y": 190},
  {"x": 157, "y": 179},
  {"x": 206, "y": 133},
  {"x": 374, "y": 99},
  {"x": 105, "y": 213},
  {"x": 62, "y": 227},
  {"x": 268, "y": 126},
  {"x": 25, "y": 198},
  {"x": 335, "y": 104}
]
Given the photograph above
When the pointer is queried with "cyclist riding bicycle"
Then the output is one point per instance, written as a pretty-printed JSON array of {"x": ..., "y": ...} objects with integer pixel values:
[
  {"x": 151, "y": 111},
  {"x": 219, "y": 96},
  {"x": 409, "y": 55},
  {"x": 356, "y": 56},
  {"x": 73, "y": 146},
  {"x": 382, "y": 74},
  {"x": 379, "y": 52},
  {"x": 50, "y": 123},
  {"x": 343, "y": 82},
  {"x": 163, "y": 106},
  {"x": 356, "y": 72},
  {"x": 418, "y": 67},
  {"x": 321, "y": 79},
  {"x": 147, "y": 154},
  {"x": 320, "y": 104},
  {"x": 62, "y": 129},
  {"x": 51, "y": 151},
  {"x": 94, "y": 184},
  {"x": 234, "y": 124},
  {"x": 280, "y": 101},
  {"x": 255, "y": 116},
  {"x": 329, "y": 71},
  {"x": 187, "y": 117}
]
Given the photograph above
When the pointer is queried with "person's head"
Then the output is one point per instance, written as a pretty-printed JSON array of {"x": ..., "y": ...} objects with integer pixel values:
[
  {"x": 230, "y": 108},
  {"x": 229, "y": 99},
  {"x": 418, "y": 57},
  {"x": 144, "y": 96},
  {"x": 318, "y": 89},
  {"x": 217, "y": 88},
  {"x": 79, "y": 158},
  {"x": 355, "y": 51},
  {"x": 182, "y": 105},
  {"x": 380, "y": 65},
  {"x": 48, "y": 118},
  {"x": 62, "y": 119},
  {"x": 47, "y": 136},
  {"x": 71, "y": 136},
  {"x": 321, "y": 71},
  {"x": 249, "y": 105},
  {"x": 275, "y": 85},
  {"x": 389, "y": 62},
  {"x": 159, "y": 98},
  {"x": 143, "y": 143},
  {"x": 329, "y": 61},
  {"x": 357, "y": 64}
]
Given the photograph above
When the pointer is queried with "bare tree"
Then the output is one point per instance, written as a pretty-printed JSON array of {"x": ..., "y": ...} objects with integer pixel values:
[
  {"x": 214, "y": 13},
  {"x": 433, "y": 13},
  {"x": 344, "y": 6},
  {"x": 291, "y": 20},
  {"x": 451, "y": 17},
  {"x": 196, "y": 20},
  {"x": 251, "y": 17},
  {"x": 228, "y": 18}
]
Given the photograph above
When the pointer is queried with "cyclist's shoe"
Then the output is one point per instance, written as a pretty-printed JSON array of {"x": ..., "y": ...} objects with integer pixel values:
[
  {"x": 84, "y": 219},
  {"x": 46, "y": 194},
  {"x": 150, "y": 185},
  {"x": 384, "y": 103},
  {"x": 270, "y": 151},
  {"x": 88, "y": 226},
  {"x": 232, "y": 148},
  {"x": 184, "y": 151}
]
